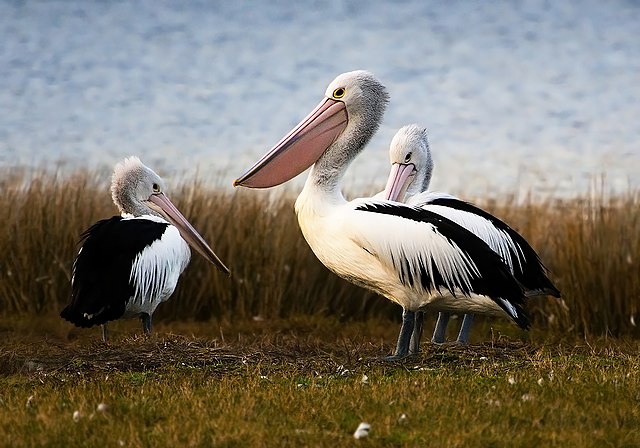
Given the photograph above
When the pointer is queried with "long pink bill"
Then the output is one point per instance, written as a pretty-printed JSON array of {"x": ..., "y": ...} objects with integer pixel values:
[
  {"x": 163, "y": 205},
  {"x": 300, "y": 148},
  {"x": 398, "y": 181}
]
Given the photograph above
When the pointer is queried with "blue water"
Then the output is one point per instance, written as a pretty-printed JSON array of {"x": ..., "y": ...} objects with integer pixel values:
[{"x": 520, "y": 95}]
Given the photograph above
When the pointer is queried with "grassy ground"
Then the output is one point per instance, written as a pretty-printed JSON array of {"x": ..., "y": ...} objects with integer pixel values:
[
  {"x": 276, "y": 355},
  {"x": 310, "y": 382}
]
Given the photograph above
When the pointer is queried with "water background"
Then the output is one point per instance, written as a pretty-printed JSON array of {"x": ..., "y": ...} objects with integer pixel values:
[{"x": 517, "y": 96}]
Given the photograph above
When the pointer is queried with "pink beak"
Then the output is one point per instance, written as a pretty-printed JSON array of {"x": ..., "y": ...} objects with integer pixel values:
[
  {"x": 398, "y": 181},
  {"x": 300, "y": 148},
  {"x": 161, "y": 203}
]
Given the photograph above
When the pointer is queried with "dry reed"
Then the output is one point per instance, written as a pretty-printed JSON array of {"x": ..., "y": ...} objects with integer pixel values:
[{"x": 590, "y": 244}]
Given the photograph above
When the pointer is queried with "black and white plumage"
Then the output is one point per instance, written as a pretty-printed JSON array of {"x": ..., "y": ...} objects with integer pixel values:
[
  {"x": 409, "y": 179},
  {"x": 127, "y": 265},
  {"x": 409, "y": 255}
]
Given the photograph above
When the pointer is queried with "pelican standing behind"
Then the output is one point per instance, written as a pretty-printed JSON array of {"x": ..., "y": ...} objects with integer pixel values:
[
  {"x": 409, "y": 179},
  {"x": 411, "y": 256},
  {"x": 127, "y": 265}
]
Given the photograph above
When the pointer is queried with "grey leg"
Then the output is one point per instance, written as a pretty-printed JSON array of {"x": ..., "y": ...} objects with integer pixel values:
[
  {"x": 146, "y": 323},
  {"x": 404, "y": 338},
  {"x": 463, "y": 336},
  {"x": 105, "y": 333},
  {"x": 440, "y": 332},
  {"x": 414, "y": 345}
]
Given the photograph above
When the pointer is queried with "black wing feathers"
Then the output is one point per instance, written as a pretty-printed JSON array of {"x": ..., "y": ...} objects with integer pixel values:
[
  {"x": 101, "y": 288},
  {"x": 495, "y": 280},
  {"x": 531, "y": 273}
]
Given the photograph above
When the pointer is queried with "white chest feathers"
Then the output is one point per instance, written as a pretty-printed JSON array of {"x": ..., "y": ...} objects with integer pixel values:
[{"x": 155, "y": 271}]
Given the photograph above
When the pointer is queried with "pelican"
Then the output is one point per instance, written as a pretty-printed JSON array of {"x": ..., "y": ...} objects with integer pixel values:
[
  {"x": 413, "y": 257},
  {"x": 128, "y": 265},
  {"x": 409, "y": 179}
]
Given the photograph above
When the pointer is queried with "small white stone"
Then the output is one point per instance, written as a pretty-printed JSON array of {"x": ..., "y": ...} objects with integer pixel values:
[
  {"x": 511, "y": 380},
  {"x": 362, "y": 431},
  {"x": 76, "y": 416},
  {"x": 402, "y": 418},
  {"x": 102, "y": 407},
  {"x": 540, "y": 381},
  {"x": 365, "y": 379},
  {"x": 483, "y": 358}
]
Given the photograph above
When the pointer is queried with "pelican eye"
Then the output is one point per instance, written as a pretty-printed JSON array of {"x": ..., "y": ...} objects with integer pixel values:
[
  {"x": 156, "y": 188},
  {"x": 339, "y": 92},
  {"x": 407, "y": 158}
]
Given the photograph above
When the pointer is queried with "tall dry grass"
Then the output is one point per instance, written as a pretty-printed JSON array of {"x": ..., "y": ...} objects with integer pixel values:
[{"x": 590, "y": 244}]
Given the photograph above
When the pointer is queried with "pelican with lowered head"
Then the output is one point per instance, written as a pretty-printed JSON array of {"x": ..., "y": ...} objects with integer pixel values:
[
  {"x": 413, "y": 257},
  {"x": 409, "y": 179},
  {"x": 128, "y": 265}
]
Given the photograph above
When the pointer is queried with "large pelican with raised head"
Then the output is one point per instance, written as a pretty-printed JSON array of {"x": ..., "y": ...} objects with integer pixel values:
[
  {"x": 409, "y": 179},
  {"x": 129, "y": 264},
  {"x": 411, "y": 256}
]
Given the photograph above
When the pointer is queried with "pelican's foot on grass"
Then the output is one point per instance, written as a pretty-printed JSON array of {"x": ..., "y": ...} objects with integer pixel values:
[
  {"x": 416, "y": 335},
  {"x": 105, "y": 333},
  {"x": 405, "y": 336},
  {"x": 440, "y": 332},
  {"x": 396, "y": 357},
  {"x": 465, "y": 328},
  {"x": 146, "y": 323}
]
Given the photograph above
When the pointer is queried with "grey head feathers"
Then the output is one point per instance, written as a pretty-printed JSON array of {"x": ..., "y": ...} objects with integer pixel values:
[
  {"x": 365, "y": 99},
  {"x": 411, "y": 145},
  {"x": 132, "y": 184}
]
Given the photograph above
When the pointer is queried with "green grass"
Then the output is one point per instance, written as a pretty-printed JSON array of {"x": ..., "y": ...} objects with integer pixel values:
[{"x": 300, "y": 383}]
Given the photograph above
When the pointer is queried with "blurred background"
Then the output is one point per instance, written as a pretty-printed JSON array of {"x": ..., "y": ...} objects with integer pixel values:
[{"x": 520, "y": 96}]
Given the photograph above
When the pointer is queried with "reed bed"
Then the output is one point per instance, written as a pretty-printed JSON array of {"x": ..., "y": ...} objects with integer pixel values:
[{"x": 590, "y": 243}]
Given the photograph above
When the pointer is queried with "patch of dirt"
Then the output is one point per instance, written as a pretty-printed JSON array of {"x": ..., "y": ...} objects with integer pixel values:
[{"x": 156, "y": 353}]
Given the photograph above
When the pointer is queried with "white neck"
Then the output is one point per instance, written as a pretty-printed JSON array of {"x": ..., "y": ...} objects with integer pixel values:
[{"x": 324, "y": 185}]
